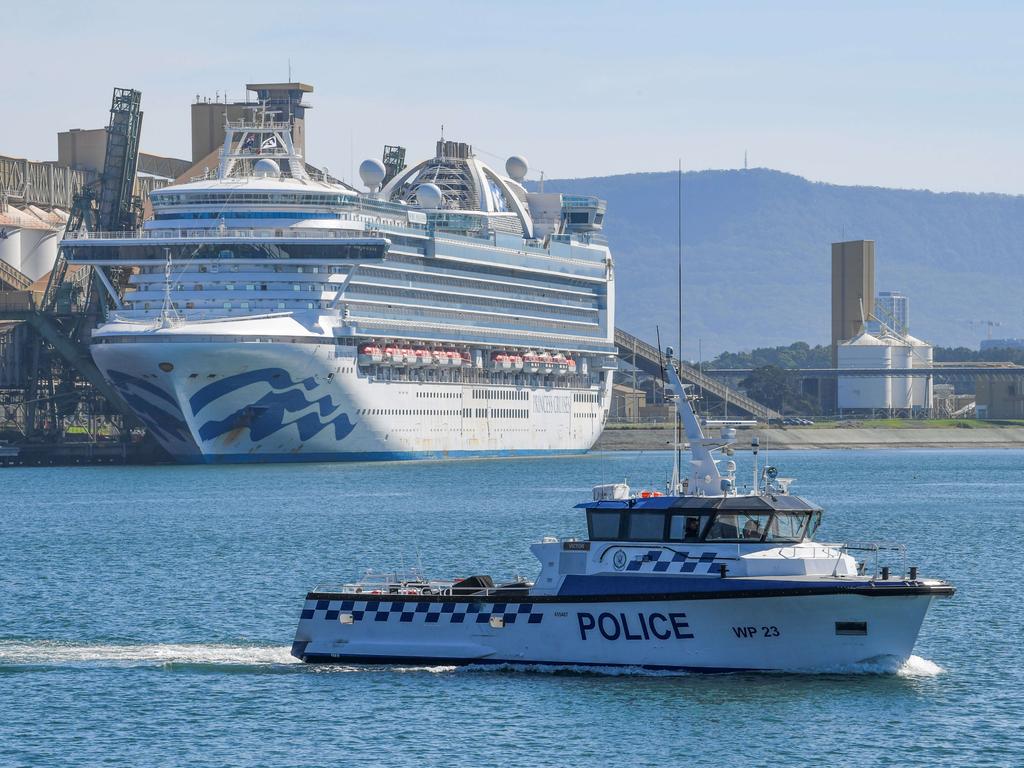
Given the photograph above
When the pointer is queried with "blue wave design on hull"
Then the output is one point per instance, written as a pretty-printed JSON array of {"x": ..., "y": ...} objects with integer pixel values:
[
  {"x": 268, "y": 414},
  {"x": 167, "y": 426},
  {"x": 225, "y": 386}
]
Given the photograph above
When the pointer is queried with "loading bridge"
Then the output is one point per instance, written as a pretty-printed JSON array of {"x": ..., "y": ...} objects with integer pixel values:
[{"x": 650, "y": 360}]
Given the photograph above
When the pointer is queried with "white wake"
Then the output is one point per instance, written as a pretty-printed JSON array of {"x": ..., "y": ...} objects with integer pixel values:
[{"x": 48, "y": 652}]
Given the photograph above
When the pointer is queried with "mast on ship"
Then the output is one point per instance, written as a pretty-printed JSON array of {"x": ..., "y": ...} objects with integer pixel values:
[{"x": 260, "y": 136}]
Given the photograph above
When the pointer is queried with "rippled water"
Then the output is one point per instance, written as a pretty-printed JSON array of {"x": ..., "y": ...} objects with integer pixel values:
[{"x": 146, "y": 615}]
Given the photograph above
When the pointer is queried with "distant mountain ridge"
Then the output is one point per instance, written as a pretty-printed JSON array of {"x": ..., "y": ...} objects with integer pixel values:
[{"x": 757, "y": 255}]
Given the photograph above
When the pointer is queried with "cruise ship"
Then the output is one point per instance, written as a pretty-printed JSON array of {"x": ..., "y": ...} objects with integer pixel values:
[{"x": 269, "y": 313}]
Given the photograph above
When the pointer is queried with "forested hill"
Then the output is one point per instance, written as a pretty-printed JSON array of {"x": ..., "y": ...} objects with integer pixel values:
[{"x": 757, "y": 245}]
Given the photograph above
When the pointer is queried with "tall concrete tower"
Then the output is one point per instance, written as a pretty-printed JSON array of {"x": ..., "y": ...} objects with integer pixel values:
[
  {"x": 284, "y": 98},
  {"x": 853, "y": 283}
]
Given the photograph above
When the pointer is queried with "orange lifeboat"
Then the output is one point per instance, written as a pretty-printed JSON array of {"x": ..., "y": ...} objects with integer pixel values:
[
  {"x": 500, "y": 361},
  {"x": 370, "y": 354}
]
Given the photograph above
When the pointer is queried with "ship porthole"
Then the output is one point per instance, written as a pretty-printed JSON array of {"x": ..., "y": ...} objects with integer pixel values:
[{"x": 166, "y": 367}]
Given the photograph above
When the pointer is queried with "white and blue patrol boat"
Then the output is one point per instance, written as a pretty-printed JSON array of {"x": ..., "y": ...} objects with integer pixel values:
[{"x": 704, "y": 578}]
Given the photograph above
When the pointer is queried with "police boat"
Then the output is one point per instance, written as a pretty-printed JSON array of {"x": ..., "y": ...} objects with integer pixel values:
[{"x": 703, "y": 578}]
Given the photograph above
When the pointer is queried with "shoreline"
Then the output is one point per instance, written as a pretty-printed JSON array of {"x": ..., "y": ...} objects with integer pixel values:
[{"x": 838, "y": 438}]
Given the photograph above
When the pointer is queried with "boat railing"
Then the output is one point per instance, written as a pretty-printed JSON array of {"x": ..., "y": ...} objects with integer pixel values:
[
  {"x": 877, "y": 558},
  {"x": 386, "y": 589}
]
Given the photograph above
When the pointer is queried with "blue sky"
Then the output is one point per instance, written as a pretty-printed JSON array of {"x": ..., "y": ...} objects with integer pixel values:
[{"x": 903, "y": 94}]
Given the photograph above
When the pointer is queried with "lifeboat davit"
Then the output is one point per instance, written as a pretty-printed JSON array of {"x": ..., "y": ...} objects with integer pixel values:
[
  {"x": 439, "y": 357},
  {"x": 517, "y": 362}
]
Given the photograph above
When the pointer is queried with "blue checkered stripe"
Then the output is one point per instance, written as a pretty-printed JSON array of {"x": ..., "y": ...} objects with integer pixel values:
[
  {"x": 667, "y": 561},
  {"x": 429, "y": 612}
]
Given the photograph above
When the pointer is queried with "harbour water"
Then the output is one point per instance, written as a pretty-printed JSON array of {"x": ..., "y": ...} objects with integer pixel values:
[{"x": 146, "y": 615}]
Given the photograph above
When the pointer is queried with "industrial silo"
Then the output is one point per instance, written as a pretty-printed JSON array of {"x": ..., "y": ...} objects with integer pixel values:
[
  {"x": 858, "y": 393},
  {"x": 900, "y": 387},
  {"x": 10, "y": 246},
  {"x": 922, "y": 357}
]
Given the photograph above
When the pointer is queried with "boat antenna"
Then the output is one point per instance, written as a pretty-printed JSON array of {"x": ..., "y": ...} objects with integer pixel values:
[
  {"x": 676, "y": 488},
  {"x": 679, "y": 255}
]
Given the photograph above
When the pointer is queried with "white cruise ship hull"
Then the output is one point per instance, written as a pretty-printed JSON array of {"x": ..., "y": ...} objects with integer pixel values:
[
  {"x": 792, "y": 632},
  {"x": 259, "y": 401}
]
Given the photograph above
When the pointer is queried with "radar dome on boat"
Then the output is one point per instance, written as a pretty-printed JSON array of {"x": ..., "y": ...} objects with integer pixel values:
[
  {"x": 429, "y": 196},
  {"x": 266, "y": 168},
  {"x": 516, "y": 167},
  {"x": 372, "y": 172}
]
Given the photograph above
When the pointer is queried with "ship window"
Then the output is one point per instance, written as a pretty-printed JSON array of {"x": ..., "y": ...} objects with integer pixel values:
[
  {"x": 647, "y": 526},
  {"x": 786, "y": 526},
  {"x": 684, "y": 528},
  {"x": 812, "y": 525},
  {"x": 604, "y": 524},
  {"x": 743, "y": 526},
  {"x": 724, "y": 527}
]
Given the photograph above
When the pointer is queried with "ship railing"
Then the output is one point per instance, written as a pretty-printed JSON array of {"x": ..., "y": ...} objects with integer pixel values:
[
  {"x": 258, "y": 125},
  {"x": 386, "y": 589},
  {"x": 222, "y": 234},
  {"x": 877, "y": 558}
]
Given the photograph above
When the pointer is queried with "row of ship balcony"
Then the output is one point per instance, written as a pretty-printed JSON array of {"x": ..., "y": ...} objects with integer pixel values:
[{"x": 528, "y": 362}]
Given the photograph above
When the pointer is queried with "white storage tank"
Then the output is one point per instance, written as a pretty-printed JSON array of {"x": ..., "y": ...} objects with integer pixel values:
[
  {"x": 922, "y": 356},
  {"x": 38, "y": 251},
  {"x": 900, "y": 387},
  {"x": 10, "y": 247},
  {"x": 864, "y": 392}
]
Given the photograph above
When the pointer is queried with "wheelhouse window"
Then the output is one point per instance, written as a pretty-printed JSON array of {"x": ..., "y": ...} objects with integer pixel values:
[
  {"x": 646, "y": 526},
  {"x": 754, "y": 526},
  {"x": 786, "y": 526},
  {"x": 604, "y": 524},
  {"x": 724, "y": 528},
  {"x": 684, "y": 528},
  {"x": 812, "y": 525}
]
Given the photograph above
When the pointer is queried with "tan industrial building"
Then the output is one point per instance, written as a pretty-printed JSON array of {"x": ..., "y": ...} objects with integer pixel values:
[
  {"x": 853, "y": 290},
  {"x": 997, "y": 398},
  {"x": 285, "y": 99},
  {"x": 627, "y": 403}
]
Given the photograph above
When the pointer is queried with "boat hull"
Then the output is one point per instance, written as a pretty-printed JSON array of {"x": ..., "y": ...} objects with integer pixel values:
[
  {"x": 211, "y": 402},
  {"x": 802, "y": 631}
]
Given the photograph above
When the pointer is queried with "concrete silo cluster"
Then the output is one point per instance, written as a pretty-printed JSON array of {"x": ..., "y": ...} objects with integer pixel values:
[
  {"x": 895, "y": 389},
  {"x": 890, "y": 350},
  {"x": 29, "y": 238}
]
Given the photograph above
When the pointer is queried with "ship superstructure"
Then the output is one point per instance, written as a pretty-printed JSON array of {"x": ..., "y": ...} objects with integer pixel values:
[{"x": 274, "y": 315}]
